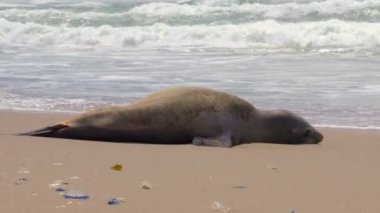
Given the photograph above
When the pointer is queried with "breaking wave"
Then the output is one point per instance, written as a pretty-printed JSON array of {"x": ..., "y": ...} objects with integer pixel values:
[
  {"x": 330, "y": 26},
  {"x": 268, "y": 35}
]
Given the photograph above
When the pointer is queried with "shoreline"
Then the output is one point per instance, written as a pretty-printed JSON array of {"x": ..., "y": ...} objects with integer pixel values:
[{"x": 338, "y": 175}]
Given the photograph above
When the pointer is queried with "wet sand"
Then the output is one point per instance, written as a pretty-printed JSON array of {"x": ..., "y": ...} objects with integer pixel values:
[{"x": 339, "y": 175}]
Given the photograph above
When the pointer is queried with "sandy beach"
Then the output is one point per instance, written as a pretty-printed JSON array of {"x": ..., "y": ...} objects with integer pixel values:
[{"x": 340, "y": 175}]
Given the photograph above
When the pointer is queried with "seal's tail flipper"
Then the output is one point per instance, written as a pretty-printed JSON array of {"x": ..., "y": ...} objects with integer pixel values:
[{"x": 47, "y": 131}]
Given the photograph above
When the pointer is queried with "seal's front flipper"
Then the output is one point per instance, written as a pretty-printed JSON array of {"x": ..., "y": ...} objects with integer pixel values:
[
  {"x": 47, "y": 131},
  {"x": 221, "y": 141}
]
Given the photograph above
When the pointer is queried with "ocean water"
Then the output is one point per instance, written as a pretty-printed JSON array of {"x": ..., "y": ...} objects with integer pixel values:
[{"x": 319, "y": 58}]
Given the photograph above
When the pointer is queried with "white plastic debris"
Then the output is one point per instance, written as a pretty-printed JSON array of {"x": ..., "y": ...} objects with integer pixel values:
[
  {"x": 217, "y": 206},
  {"x": 58, "y": 185},
  {"x": 23, "y": 170},
  {"x": 74, "y": 177},
  {"x": 115, "y": 201},
  {"x": 60, "y": 206}
]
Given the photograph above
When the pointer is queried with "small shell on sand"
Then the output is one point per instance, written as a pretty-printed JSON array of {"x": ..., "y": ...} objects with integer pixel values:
[{"x": 146, "y": 185}]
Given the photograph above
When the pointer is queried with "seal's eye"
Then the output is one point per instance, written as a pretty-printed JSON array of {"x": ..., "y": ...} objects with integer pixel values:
[
  {"x": 290, "y": 131},
  {"x": 307, "y": 132}
]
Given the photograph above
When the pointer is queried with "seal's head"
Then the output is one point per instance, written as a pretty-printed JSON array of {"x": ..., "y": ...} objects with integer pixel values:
[{"x": 293, "y": 129}]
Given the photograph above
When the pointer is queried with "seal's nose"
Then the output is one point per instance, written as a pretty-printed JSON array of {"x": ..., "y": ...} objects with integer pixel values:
[{"x": 318, "y": 137}]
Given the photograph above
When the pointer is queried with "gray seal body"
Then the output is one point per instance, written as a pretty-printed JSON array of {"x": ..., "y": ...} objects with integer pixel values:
[{"x": 187, "y": 115}]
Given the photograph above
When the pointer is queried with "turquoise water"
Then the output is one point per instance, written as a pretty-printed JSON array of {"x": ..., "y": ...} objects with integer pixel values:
[{"x": 318, "y": 58}]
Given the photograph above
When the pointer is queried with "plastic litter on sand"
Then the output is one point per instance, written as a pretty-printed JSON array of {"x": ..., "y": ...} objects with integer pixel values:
[
  {"x": 76, "y": 195},
  {"x": 58, "y": 185},
  {"x": 74, "y": 177},
  {"x": 115, "y": 201},
  {"x": 60, "y": 189},
  {"x": 23, "y": 170},
  {"x": 20, "y": 180},
  {"x": 217, "y": 206}
]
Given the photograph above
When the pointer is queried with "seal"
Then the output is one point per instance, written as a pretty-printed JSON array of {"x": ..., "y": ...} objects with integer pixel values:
[{"x": 186, "y": 115}]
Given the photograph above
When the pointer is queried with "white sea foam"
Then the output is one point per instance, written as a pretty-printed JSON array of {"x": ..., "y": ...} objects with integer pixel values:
[
  {"x": 353, "y": 10},
  {"x": 347, "y": 127},
  {"x": 38, "y": 15},
  {"x": 332, "y": 35},
  {"x": 18, "y": 102},
  {"x": 285, "y": 10}
]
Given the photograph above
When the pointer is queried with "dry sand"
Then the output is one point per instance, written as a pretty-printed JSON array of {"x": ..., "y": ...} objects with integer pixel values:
[{"x": 341, "y": 175}]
